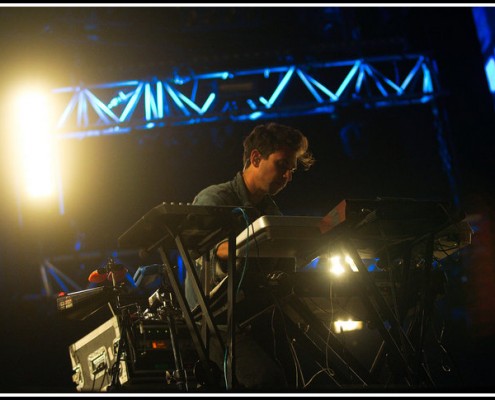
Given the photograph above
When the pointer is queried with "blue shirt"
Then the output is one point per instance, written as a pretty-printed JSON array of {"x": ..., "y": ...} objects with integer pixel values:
[{"x": 232, "y": 193}]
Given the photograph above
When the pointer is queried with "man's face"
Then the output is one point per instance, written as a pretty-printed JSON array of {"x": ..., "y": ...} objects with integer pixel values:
[{"x": 276, "y": 171}]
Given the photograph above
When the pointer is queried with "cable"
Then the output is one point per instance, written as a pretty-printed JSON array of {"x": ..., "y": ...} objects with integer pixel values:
[
  {"x": 94, "y": 381},
  {"x": 243, "y": 212},
  {"x": 275, "y": 356},
  {"x": 225, "y": 367},
  {"x": 439, "y": 339},
  {"x": 106, "y": 376},
  {"x": 297, "y": 366},
  {"x": 246, "y": 219},
  {"x": 331, "y": 323},
  {"x": 330, "y": 372}
]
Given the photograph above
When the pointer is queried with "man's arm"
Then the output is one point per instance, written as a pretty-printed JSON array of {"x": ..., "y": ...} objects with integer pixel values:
[{"x": 212, "y": 198}]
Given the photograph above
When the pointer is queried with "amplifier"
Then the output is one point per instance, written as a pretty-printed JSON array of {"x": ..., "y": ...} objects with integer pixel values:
[{"x": 148, "y": 361}]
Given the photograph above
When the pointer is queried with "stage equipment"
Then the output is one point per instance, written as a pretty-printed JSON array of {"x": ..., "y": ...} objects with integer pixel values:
[
  {"x": 405, "y": 236},
  {"x": 375, "y": 227},
  {"x": 149, "y": 275},
  {"x": 281, "y": 236},
  {"x": 147, "y": 361},
  {"x": 193, "y": 231},
  {"x": 93, "y": 355},
  {"x": 101, "y": 107},
  {"x": 83, "y": 303},
  {"x": 112, "y": 272},
  {"x": 151, "y": 348}
]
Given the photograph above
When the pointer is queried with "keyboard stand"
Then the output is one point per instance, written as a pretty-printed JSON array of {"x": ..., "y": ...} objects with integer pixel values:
[
  {"x": 392, "y": 228},
  {"x": 193, "y": 231}
]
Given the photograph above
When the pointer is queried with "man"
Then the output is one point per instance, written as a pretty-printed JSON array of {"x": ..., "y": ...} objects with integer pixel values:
[{"x": 272, "y": 153}]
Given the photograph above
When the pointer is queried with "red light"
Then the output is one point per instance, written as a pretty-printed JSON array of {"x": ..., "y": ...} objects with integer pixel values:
[{"x": 158, "y": 344}]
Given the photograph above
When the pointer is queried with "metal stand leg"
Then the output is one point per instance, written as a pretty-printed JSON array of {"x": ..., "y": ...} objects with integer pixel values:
[
  {"x": 204, "y": 361},
  {"x": 123, "y": 348},
  {"x": 179, "y": 373}
]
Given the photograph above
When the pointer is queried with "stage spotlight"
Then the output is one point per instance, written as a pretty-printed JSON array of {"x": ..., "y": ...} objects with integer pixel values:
[
  {"x": 347, "y": 326},
  {"x": 35, "y": 145},
  {"x": 337, "y": 267}
]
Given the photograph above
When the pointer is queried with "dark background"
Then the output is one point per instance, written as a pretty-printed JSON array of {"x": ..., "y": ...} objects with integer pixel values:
[{"x": 111, "y": 181}]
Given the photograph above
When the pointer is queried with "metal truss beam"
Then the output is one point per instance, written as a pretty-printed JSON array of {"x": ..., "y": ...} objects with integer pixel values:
[{"x": 238, "y": 95}]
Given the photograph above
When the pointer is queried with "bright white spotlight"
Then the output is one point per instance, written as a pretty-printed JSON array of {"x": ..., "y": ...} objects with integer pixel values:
[
  {"x": 346, "y": 326},
  {"x": 336, "y": 266},
  {"x": 35, "y": 143},
  {"x": 351, "y": 263}
]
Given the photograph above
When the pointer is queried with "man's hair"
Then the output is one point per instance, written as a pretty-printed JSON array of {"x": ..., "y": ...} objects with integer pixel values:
[{"x": 271, "y": 137}]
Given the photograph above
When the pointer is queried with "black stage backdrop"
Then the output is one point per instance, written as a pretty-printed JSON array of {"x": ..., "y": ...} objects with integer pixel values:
[{"x": 110, "y": 182}]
